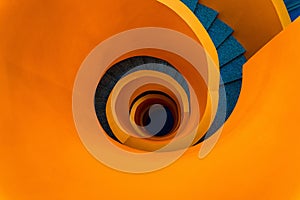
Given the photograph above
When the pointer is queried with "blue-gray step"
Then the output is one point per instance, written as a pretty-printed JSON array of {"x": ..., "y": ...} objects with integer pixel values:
[
  {"x": 293, "y": 7},
  {"x": 205, "y": 15},
  {"x": 219, "y": 32},
  {"x": 233, "y": 70},
  {"x": 229, "y": 50},
  {"x": 191, "y": 4}
]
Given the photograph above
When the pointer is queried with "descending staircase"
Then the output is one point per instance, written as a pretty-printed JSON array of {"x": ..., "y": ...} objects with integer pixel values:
[{"x": 231, "y": 59}]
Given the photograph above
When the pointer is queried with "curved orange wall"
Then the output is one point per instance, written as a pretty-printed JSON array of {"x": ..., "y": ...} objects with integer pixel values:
[{"x": 42, "y": 46}]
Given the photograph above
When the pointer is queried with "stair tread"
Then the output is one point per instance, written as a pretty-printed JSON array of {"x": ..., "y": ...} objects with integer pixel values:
[
  {"x": 232, "y": 92},
  {"x": 205, "y": 15},
  {"x": 233, "y": 70},
  {"x": 191, "y": 4},
  {"x": 219, "y": 32},
  {"x": 229, "y": 50},
  {"x": 294, "y": 14},
  {"x": 148, "y": 60}
]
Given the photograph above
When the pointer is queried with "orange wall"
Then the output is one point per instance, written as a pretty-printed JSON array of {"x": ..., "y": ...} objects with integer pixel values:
[{"x": 43, "y": 44}]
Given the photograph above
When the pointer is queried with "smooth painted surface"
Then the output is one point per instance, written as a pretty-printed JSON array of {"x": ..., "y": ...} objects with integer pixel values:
[{"x": 42, "y": 157}]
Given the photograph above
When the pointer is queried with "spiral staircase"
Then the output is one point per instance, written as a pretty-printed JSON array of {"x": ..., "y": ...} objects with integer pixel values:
[
  {"x": 52, "y": 146},
  {"x": 231, "y": 60}
]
